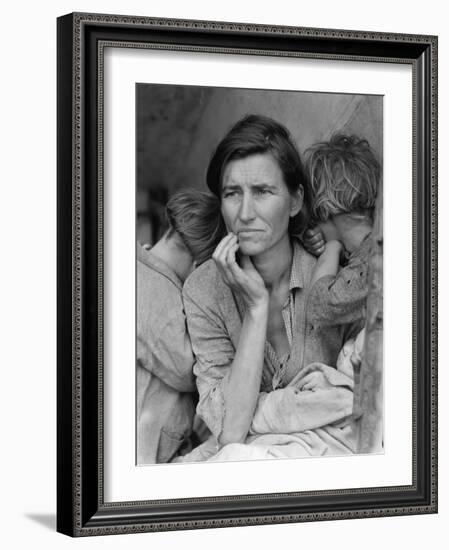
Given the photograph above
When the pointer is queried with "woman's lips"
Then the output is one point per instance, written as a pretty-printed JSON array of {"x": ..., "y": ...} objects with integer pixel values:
[
  {"x": 248, "y": 234},
  {"x": 243, "y": 231}
]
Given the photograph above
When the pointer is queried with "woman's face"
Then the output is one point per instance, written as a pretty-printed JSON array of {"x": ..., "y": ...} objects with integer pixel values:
[{"x": 256, "y": 204}]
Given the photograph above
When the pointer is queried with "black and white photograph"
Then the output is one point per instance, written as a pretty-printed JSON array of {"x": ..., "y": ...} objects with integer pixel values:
[
  {"x": 246, "y": 276},
  {"x": 259, "y": 274}
]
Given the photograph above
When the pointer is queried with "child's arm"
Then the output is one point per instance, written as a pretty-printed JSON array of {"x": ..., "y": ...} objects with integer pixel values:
[
  {"x": 337, "y": 295},
  {"x": 328, "y": 262}
]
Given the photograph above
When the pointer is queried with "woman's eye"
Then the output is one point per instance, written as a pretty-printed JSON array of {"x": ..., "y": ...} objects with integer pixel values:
[{"x": 263, "y": 191}]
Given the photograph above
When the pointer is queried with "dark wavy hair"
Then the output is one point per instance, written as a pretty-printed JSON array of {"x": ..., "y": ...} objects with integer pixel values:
[
  {"x": 260, "y": 134},
  {"x": 344, "y": 175},
  {"x": 196, "y": 218}
]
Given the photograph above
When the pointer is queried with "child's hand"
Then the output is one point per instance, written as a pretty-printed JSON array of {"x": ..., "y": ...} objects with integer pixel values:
[{"x": 314, "y": 241}]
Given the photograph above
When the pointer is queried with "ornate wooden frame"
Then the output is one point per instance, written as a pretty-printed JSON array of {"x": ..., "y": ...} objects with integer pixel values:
[{"x": 81, "y": 507}]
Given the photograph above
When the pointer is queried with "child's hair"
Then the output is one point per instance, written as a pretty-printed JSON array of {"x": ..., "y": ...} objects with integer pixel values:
[
  {"x": 196, "y": 218},
  {"x": 344, "y": 175}
]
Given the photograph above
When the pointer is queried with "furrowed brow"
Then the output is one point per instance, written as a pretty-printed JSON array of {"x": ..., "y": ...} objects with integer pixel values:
[
  {"x": 263, "y": 185},
  {"x": 230, "y": 187}
]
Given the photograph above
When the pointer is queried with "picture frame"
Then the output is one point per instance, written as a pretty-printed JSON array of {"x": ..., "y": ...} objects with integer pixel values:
[{"x": 81, "y": 506}]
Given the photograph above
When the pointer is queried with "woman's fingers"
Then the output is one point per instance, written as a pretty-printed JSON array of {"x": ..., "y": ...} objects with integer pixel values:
[
  {"x": 221, "y": 256},
  {"x": 247, "y": 264},
  {"x": 246, "y": 272},
  {"x": 231, "y": 267},
  {"x": 245, "y": 278},
  {"x": 222, "y": 246},
  {"x": 221, "y": 251}
]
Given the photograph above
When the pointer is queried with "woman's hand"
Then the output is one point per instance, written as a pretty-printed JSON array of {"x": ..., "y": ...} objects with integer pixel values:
[{"x": 245, "y": 280}]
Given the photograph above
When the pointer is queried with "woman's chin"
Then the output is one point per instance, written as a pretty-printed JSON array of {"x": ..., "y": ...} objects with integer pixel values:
[{"x": 250, "y": 249}]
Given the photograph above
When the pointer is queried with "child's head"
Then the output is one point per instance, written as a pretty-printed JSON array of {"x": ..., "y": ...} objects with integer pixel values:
[
  {"x": 195, "y": 217},
  {"x": 344, "y": 175}
]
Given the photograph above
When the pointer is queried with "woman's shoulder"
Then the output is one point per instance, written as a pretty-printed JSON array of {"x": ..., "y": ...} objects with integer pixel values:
[
  {"x": 205, "y": 283},
  {"x": 302, "y": 265}
]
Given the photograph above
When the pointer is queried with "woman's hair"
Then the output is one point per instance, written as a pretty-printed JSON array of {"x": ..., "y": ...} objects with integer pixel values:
[
  {"x": 196, "y": 218},
  {"x": 259, "y": 134},
  {"x": 344, "y": 175}
]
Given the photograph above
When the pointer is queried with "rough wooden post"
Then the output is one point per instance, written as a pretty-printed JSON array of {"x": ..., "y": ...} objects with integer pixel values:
[{"x": 368, "y": 403}]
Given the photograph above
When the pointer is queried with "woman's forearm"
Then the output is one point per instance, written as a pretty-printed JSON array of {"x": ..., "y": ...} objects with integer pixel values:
[{"x": 243, "y": 386}]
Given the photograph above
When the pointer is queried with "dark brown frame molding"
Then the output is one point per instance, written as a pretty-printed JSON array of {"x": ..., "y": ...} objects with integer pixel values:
[{"x": 81, "y": 509}]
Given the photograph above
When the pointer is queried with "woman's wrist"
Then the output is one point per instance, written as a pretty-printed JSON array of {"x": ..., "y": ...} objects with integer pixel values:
[{"x": 259, "y": 309}]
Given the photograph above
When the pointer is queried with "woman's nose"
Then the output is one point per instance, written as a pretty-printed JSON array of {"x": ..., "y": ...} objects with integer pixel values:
[{"x": 246, "y": 211}]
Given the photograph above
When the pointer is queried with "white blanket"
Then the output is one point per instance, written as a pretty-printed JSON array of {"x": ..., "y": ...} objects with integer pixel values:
[{"x": 309, "y": 417}]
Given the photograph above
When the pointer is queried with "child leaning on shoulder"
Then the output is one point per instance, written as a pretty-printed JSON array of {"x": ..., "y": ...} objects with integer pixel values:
[{"x": 344, "y": 176}]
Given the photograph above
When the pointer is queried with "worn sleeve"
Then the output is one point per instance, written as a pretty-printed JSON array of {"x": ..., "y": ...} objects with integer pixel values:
[
  {"x": 168, "y": 355},
  {"x": 214, "y": 353},
  {"x": 340, "y": 299}
]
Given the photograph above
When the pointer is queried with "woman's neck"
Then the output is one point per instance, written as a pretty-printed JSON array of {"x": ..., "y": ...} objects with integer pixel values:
[{"x": 274, "y": 265}]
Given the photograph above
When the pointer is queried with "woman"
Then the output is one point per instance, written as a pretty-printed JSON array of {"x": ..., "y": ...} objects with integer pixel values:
[{"x": 246, "y": 308}]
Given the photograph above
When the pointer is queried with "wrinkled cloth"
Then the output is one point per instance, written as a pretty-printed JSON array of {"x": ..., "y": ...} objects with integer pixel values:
[
  {"x": 295, "y": 422},
  {"x": 166, "y": 390},
  {"x": 214, "y": 317},
  {"x": 330, "y": 441},
  {"x": 296, "y": 409}
]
